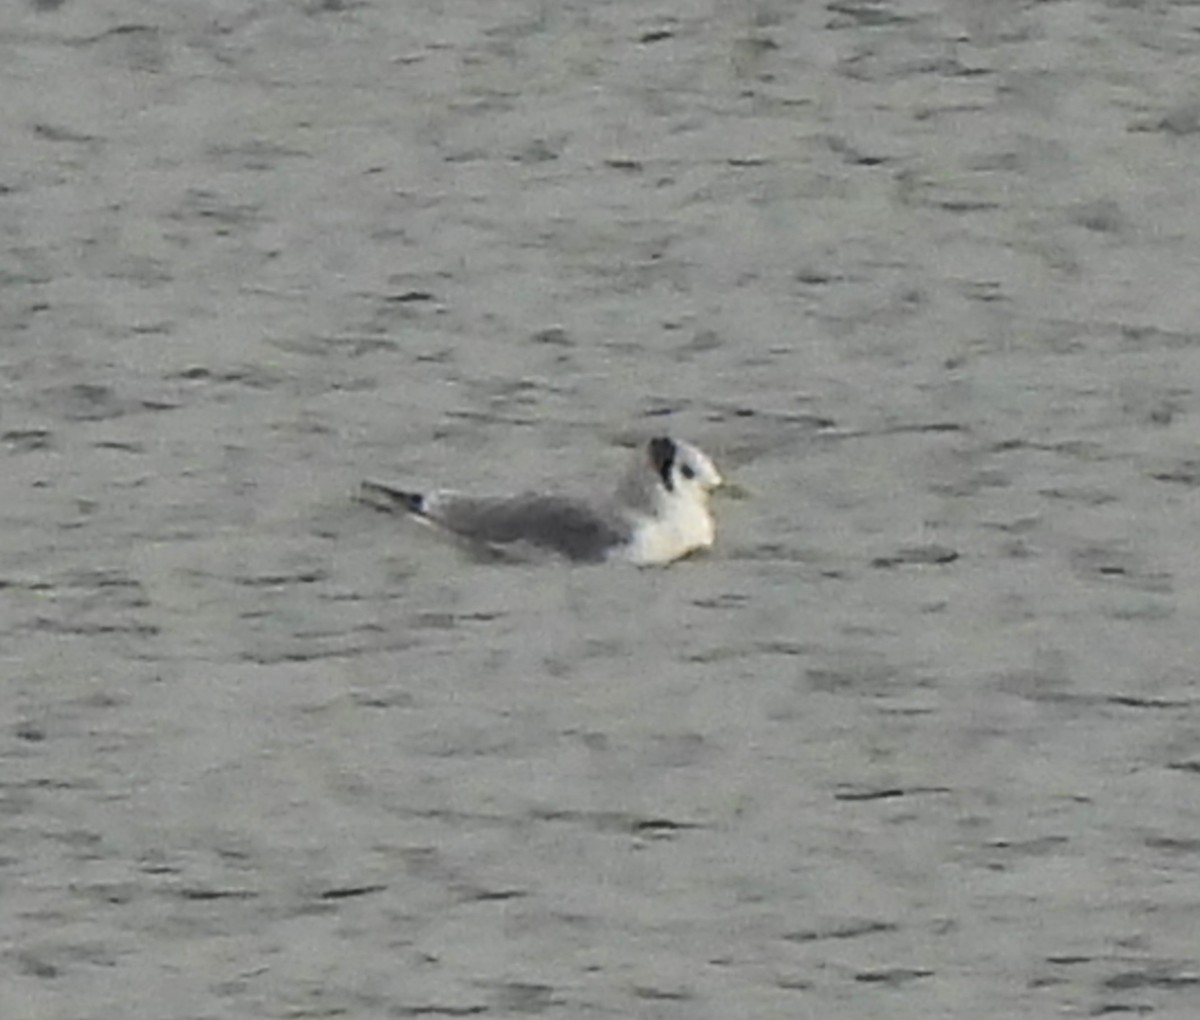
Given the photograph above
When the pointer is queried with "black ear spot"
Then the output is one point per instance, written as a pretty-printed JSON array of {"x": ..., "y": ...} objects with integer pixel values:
[{"x": 662, "y": 456}]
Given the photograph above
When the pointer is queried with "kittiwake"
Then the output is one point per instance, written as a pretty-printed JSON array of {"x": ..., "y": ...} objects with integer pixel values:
[{"x": 658, "y": 513}]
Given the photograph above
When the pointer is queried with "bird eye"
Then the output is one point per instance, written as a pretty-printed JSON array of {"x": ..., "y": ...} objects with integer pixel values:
[{"x": 688, "y": 471}]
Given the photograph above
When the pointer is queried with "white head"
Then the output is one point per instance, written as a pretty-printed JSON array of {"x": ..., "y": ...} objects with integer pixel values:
[
  {"x": 665, "y": 495},
  {"x": 685, "y": 470}
]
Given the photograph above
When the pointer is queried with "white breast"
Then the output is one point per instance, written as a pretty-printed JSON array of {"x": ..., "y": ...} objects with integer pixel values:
[{"x": 684, "y": 527}]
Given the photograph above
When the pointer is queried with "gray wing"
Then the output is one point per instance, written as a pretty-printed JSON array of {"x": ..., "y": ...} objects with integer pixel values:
[{"x": 566, "y": 526}]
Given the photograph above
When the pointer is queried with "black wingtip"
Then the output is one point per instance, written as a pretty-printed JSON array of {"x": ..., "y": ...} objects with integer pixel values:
[{"x": 384, "y": 497}]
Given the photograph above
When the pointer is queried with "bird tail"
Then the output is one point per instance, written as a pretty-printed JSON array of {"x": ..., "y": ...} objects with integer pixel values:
[{"x": 384, "y": 497}]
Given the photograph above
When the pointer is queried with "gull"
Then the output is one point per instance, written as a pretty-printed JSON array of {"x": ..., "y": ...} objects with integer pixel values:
[{"x": 658, "y": 513}]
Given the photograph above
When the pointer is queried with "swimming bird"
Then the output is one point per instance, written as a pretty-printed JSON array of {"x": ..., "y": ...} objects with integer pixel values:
[{"x": 658, "y": 513}]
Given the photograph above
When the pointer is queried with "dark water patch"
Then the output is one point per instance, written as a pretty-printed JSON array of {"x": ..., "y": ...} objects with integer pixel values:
[
  {"x": 257, "y": 154},
  {"x": 654, "y": 993},
  {"x": 408, "y": 297},
  {"x": 131, "y": 28},
  {"x": 215, "y": 209},
  {"x": 317, "y": 653},
  {"x": 1080, "y": 449},
  {"x": 384, "y": 699},
  {"x": 1181, "y": 120},
  {"x": 251, "y": 376},
  {"x": 892, "y": 975},
  {"x": 38, "y": 965},
  {"x": 315, "y": 8},
  {"x": 26, "y": 440},
  {"x": 784, "y": 648},
  {"x": 931, "y": 554},
  {"x": 726, "y": 653},
  {"x": 119, "y": 446},
  {"x": 1083, "y": 495},
  {"x": 769, "y": 552},
  {"x": 479, "y": 894},
  {"x": 899, "y": 429},
  {"x": 1140, "y": 701},
  {"x": 1174, "y": 844},
  {"x": 86, "y": 402},
  {"x": 655, "y": 827},
  {"x": 31, "y": 733},
  {"x": 859, "y": 793},
  {"x": 863, "y": 14},
  {"x": 1099, "y": 215},
  {"x": 844, "y": 930},
  {"x": 111, "y": 893},
  {"x": 1147, "y": 337},
  {"x": 786, "y": 428},
  {"x": 704, "y": 341},
  {"x": 54, "y": 133},
  {"x": 282, "y": 579},
  {"x": 851, "y": 677},
  {"x": 523, "y": 998},
  {"x": 1165, "y": 976},
  {"x": 729, "y": 600},
  {"x": 1183, "y": 472},
  {"x": 492, "y": 418},
  {"x": 552, "y": 336},
  {"x": 349, "y": 345},
  {"x": 203, "y": 894},
  {"x": 348, "y": 892},
  {"x": 1112, "y": 564},
  {"x": 94, "y": 628},
  {"x": 965, "y": 205},
  {"x": 1040, "y": 846}
]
